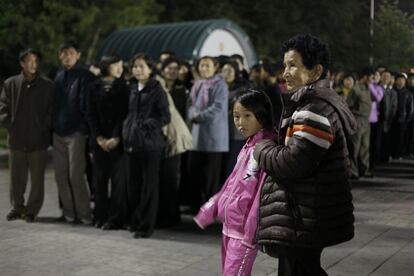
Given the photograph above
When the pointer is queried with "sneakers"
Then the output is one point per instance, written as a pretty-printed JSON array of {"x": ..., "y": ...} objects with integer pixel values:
[
  {"x": 14, "y": 214},
  {"x": 86, "y": 221},
  {"x": 69, "y": 219}
]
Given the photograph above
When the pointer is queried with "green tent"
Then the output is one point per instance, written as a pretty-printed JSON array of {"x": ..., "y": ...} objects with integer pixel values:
[{"x": 189, "y": 41}]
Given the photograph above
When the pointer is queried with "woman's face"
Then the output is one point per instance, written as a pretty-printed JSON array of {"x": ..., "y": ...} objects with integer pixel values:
[
  {"x": 183, "y": 73},
  {"x": 229, "y": 73},
  {"x": 116, "y": 69},
  {"x": 170, "y": 71},
  {"x": 377, "y": 77},
  {"x": 140, "y": 70},
  {"x": 296, "y": 74},
  {"x": 349, "y": 82},
  {"x": 206, "y": 68}
]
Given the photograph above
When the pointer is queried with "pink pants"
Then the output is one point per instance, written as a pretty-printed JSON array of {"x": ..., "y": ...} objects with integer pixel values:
[{"x": 236, "y": 258}]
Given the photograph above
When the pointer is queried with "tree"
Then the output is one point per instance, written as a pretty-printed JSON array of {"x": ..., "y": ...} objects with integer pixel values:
[
  {"x": 393, "y": 37},
  {"x": 45, "y": 24}
]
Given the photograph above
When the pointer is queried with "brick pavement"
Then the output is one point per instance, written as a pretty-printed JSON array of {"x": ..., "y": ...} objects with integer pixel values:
[{"x": 383, "y": 245}]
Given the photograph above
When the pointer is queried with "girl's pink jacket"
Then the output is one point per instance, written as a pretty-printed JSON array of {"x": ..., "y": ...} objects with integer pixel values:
[{"x": 237, "y": 203}]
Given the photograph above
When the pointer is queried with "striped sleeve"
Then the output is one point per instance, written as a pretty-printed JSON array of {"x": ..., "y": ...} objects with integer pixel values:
[{"x": 312, "y": 127}]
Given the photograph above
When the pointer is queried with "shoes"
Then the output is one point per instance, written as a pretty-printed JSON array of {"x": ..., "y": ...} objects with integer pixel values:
[
  {"x": 14, "y": 214},
  {"x": 111, "y": 226},
  {"x": 141, "y": 235},
  {"x": 368, "y": 174},
  {"x": 69, "y": 219},
  {"x": 86, "y": 221},
  {"x": 30, "y": 218},
  {"x": 354, "y": 177},
  {"x": 98, "y": 224}
]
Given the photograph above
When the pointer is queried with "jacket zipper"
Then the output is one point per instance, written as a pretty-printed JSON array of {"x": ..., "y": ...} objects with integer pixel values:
[{"x": 234, "y": 185}]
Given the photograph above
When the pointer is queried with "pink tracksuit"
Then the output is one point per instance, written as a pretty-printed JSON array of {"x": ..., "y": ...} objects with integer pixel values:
[{"x": 236, "y": 206}]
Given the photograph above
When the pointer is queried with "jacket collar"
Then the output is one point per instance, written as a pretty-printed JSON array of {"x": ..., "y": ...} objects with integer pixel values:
[{"x": 262, "y": 134}]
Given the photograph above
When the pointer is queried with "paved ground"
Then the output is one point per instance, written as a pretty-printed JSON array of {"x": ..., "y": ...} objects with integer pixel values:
[{"x": 383, "y": 245}]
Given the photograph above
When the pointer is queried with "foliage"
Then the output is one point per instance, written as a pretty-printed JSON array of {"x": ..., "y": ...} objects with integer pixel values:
[
  {"x": 394, "y": 37},
  {"x": 44, "y": 24}
]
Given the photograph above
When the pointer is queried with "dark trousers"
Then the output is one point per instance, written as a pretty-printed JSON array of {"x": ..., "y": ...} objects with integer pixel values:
[
  {"x": 375, "y": 144},
  {"x": 168, "y": 208},
  {"x": 21, "y": 163},
  {"x": 204, "y": 171},
  {"x": 386, "y": 146},
  {"x": 300, "y": 262},
  {"x": 143, "y": 180},
  {"x": 109, "y": 165},
  {"x": 398, "y": 137},
  {"x": 409, "y": 140}
]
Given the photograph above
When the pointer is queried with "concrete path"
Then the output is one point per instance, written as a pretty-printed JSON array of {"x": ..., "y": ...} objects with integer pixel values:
[{"x": 383, "y": 245}]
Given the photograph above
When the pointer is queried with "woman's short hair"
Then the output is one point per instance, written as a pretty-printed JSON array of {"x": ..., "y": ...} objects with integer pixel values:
[
  {"x": 150, "y": 63},
  {"x": 312, "y": 50},
  {"x": 168, "y": 61},
  {"x": 106, "y": 62},
  {"x": 258, "y": 103}
]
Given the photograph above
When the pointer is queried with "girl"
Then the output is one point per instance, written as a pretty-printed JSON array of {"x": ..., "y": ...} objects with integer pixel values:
[
  {"x": 144, "y": 142},
  {"x": 210, "y": 130},
  {"x": 106, "y": 105},
  {"x": 236, "y": 205}
]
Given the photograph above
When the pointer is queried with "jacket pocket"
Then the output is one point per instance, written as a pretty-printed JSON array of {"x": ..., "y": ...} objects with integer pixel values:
[{"x": 233, "y": 211}]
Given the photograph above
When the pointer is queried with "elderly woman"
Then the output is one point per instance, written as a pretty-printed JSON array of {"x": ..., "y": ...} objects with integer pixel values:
[{"x": 306, "y": 202}]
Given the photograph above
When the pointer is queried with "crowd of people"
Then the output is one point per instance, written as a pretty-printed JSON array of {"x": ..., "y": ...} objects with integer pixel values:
[{"x": 152, "y": 138}]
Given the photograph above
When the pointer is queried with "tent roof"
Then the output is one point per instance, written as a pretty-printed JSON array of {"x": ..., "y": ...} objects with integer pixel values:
[{"x": 185, "y": 39}]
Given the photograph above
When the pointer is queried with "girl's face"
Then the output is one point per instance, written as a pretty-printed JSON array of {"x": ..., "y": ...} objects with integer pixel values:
[
  {"x": 170, "y": 71},
  {"x": 245, "y": 121},
  {"x": 116, "y": 69},
  {"x": 229, "y": 73},
  {"x": 296, "y": 74},
  {"x": 206, "y": 68},
  {"x": 141, "y": 70}
]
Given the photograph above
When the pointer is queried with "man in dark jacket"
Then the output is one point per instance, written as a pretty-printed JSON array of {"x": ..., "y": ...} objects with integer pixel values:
[
  {"x": 69, "y": 138},
  {"x": 405, "y": 111},
  {"x": 387, "y": 111},
  {"x": 26, "y": 112},
  {"x": 306, "y": 202}
]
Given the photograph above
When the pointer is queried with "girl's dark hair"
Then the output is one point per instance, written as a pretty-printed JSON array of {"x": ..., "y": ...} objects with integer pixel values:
[
  {"x": 106, "y": 62},
  {"x": 312, "y": 50},
  {"x": 258, "y": 103},
  {"x": 147, "y": 60}
]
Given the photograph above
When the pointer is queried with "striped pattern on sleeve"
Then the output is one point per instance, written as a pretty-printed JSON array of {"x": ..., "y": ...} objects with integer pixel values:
[{"x": 311, "y": 126}]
